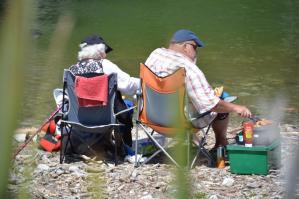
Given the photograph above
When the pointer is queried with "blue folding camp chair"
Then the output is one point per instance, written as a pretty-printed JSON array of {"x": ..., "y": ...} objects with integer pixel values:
[{"x": 88, "y": 124}]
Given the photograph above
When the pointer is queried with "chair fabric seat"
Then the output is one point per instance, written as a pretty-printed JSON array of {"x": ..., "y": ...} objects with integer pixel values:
[
  {"x": 161, "y": 106},
  {"x": 88, "y": 124}
]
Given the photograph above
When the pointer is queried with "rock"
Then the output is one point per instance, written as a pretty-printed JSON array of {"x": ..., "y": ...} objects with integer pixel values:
[
  {"x": 80, "y": 174},
  {"x": 228, "y": 182},
  {"x": 20, "y": 157},
  {"x": 76, "y": 171},
  {"x": 20, "y": 137},
  {"x": 73, "y": 168},
  {"x": 145, "y": 193},
  {"x": 253, "y": 185},
  {"x": 213, "y": 197},
  {"x": 198, "y": 186},
  {"x": 44, "y": 158},
  {"x": 160, "y": 184},
  {"x": 59, "y": 171},
  {"x": 53, "y": 164},
  {"x": 134, "y": 173},
  {"x": 149, "y": 196},
  {"x": 42, "y": 168},
  {"x": 15, "y": 180},
  {"x": 289, "y": 128},
  {"x": 121, "y": 187}
]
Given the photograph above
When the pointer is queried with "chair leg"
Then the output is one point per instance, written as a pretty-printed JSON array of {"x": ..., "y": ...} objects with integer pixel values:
[
  {"x": 136, "y": 144},
  {"x": 188, "y": 149},
  {"x": 203, "y": 140},
  {"x": 68, "y": 140},
  {"x": 115, "y": 148},
  {"x": 208, "y": 156},
  {"x": 136, "y": 147},
  {"x": 61, "y": 149},
  {"x": 203, "y": 150},
  {"x": 194, "y": 160},
  {"x": 160, "y": 147},
  {"x": 151, "y": 157}
]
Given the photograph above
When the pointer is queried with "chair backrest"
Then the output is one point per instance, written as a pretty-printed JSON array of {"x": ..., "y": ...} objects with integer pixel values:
[
  {"x": 163, "y": 100},
  {"x": 90, "y": 116}
]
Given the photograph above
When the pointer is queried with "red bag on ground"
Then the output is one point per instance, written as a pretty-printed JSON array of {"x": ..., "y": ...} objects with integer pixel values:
[{"x": 50, "y": 142}]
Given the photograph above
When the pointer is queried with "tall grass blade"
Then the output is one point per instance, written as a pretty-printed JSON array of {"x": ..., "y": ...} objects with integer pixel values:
[{"x": 14, "y": 49}]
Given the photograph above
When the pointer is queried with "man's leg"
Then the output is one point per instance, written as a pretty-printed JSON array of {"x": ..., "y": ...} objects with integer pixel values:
[{"x": 219, "y": 126}]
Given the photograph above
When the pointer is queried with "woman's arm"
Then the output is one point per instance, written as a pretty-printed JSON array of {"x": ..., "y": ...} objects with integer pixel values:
[{"x": 125, "y": 83}]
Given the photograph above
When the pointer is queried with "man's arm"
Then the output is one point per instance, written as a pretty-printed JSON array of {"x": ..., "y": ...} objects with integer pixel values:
[{"x": 226, "y": 107}]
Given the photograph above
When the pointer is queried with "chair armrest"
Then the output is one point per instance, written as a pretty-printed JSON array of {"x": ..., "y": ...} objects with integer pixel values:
[
  {"x": 199, "y": 116},
  {"x": 138, "y": 92},
  {"x": 126, "y": 110}
]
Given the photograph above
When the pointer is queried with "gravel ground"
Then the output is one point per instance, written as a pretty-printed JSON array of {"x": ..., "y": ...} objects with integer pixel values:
[{"x": 38, "y": 174}]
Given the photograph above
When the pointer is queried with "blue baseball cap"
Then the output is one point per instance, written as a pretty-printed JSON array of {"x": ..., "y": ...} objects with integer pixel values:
[{"x": 186, "y": 35}]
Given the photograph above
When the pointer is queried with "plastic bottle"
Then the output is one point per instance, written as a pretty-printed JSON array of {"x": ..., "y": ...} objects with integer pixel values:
[
  {"x": 240, "y": 136},
  {"x": 248, "y": 133},
  {"x": 220, "y": 157}
]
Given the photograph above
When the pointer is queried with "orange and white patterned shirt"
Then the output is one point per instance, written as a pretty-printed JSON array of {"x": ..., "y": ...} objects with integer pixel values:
[{"x": 164, "y": 62}]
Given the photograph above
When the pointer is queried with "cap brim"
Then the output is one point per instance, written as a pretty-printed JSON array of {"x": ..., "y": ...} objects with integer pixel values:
[
  {"x": 199, "y": 43},
  {"x": 108, "y": 49}
]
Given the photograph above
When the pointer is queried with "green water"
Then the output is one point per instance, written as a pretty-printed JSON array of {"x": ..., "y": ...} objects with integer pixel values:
[{"x": 251, "y": 47}]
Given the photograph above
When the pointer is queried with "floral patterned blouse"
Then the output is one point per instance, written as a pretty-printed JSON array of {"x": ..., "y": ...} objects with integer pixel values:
[{"x": 87, "y": 66}]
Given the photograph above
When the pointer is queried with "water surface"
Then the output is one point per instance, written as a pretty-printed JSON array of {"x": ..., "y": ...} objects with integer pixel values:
[{"x": 251, "y": 47}]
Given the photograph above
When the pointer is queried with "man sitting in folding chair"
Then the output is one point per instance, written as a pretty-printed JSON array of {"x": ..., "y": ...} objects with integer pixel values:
[{"x": 203, "y": 103}]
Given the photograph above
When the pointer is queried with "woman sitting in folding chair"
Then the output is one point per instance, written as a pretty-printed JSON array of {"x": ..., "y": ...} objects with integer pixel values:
[{"x": 92, "y": 59}]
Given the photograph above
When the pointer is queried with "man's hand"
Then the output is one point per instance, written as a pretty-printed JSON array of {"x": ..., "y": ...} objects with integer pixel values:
[
  {"x": 242, "y": 111},
  {"x": 226, "y": 107}
]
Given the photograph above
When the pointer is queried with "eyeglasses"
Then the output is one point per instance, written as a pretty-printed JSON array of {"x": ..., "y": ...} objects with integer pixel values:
[{"x": 193, "y": 45}]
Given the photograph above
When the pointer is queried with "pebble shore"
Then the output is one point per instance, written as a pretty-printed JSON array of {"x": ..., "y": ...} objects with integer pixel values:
[{"x": 38, "y": 174}]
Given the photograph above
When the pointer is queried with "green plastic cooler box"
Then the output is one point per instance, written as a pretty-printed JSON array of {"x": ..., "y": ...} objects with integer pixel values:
[{"x": 254, "y": 160}]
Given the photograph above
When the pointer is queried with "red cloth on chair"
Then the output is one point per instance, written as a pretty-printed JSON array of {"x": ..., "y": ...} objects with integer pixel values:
[{"x": 92, "y": 91}]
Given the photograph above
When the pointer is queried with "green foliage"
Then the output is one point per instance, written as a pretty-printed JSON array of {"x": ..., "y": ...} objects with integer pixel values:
[
  {"x": 95, "y": 185},
  {"x": 199, "y": 195},
  {"x": 14, "y": 47},
  {"x": 181, "y": 153}
]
